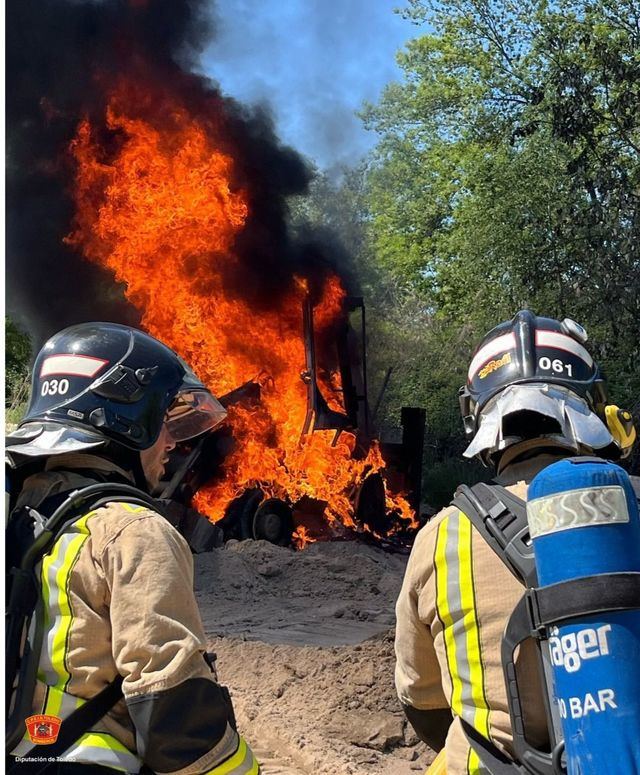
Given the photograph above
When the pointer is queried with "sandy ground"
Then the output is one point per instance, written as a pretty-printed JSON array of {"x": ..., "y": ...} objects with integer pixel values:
[{"x": 305, "y": 643}]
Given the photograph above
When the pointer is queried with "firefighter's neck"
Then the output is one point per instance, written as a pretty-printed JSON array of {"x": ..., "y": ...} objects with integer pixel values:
[
  {"x": 524, "y": 460},
  {"x": 82, "y": 460}
]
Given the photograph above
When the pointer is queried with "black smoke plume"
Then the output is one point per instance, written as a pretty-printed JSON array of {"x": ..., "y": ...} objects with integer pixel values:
[{"x": 59, "y": 52}]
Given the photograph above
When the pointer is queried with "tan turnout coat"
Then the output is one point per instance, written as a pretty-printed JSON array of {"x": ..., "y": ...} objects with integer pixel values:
[
  {"x": 455, "y": 601},
  {"x": 119, "y": 594}
]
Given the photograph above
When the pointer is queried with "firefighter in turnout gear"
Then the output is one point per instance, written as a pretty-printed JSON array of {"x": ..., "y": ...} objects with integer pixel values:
[
  {"x": 119, "y": 652},
  {"x": 533, "y": 396}
]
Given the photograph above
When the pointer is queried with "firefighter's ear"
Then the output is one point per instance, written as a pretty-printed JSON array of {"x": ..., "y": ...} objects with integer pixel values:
[{"x": 620, "y": 425}]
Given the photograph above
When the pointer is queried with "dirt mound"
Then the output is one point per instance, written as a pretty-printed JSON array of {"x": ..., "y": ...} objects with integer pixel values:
[
  {"x": 329, "y": 711},
  {"x": 330, "y": 594},
  {"x": 305, "y": 641}
]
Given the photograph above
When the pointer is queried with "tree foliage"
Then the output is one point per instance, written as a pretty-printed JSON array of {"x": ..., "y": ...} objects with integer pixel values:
[
  {"x": 17, "y": 358},
  {"x": 508, "y": 175}
]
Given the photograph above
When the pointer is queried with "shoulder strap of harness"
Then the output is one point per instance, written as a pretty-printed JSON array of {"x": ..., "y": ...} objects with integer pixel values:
[
  {"x": 501, "y": 518},
  {"x": 490, "y": 755}
]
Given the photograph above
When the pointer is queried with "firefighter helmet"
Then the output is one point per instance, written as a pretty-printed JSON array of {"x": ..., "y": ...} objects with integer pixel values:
[
  {"x": 95, "y": 383},
  {"x": 533, "y": 378}
]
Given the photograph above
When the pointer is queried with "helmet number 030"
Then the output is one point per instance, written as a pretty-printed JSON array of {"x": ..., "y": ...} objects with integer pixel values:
[
  {"x": 53, "y": 387},
  {"x": 546, "y": 364}
]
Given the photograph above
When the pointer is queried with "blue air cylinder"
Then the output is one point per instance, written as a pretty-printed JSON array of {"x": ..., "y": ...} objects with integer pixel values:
[{"x": 583, "y": 516}]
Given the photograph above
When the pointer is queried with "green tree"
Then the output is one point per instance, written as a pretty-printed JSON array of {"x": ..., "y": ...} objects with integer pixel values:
[
  {"x": 17, "y": 359},
  {"x": 508, "y": 172}
]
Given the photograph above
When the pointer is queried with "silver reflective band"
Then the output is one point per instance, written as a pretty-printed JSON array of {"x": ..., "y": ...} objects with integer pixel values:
[
  {"x": 577, "y": 508},
  {"x": 500, "y": 344},
  {"x": 560, "y": 341},
  {"x": 83, "y": 752}
]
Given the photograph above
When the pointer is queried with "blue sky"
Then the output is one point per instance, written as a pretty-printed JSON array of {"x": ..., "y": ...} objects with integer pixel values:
[{"x": 314, "y": 62}]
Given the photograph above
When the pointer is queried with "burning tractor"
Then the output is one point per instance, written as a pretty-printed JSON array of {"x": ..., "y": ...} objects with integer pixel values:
[
  {"x": 377, "y": 500},
  {"x": 171, "y": 197}
]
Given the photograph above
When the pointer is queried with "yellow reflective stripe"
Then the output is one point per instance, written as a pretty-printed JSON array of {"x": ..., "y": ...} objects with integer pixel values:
[
  {"x": 53, "y": 703},
  {"x": 456, "y": 610},
  {"x": 63, "y": 576},
  {"x": 243, "y": 762},
  {"x": 472, "y": 632},
  {"x": 102, "y": 740},
  {"x": 47, "y": 593},
  {"x": 60, "y": 703},
  {"x": 474, "y": 766},
  {"x": 444, "y": 614},
  {"x": 133, "y": 509}
]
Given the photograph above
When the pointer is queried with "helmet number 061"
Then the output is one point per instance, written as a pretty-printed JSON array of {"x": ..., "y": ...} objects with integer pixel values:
[
  {"x": 52, "y": 387},
  {"x": 546, "y": 364}
]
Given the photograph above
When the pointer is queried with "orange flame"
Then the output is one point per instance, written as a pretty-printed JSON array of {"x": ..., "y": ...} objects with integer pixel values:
[
  {"x": 159, "y": 210},
  {"x": 301, "y": 537}
]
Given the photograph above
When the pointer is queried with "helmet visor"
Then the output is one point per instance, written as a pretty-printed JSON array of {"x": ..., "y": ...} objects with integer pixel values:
[{"x": 193, "y": 412}]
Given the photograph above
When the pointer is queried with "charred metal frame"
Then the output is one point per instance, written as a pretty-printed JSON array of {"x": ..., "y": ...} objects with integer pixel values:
[
  {"x": 198, "y": 462},
  {"x": 404, "y": 457},
  {"x": 319, "y": 416}
]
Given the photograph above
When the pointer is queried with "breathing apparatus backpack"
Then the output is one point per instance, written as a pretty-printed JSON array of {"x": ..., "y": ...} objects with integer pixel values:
[
  {"x": 30, "y": 535},
  {"x": 580, "y": 565}
]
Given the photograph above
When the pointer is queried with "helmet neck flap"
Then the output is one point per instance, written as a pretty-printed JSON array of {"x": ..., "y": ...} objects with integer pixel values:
[{"x": 570, "y": 423}]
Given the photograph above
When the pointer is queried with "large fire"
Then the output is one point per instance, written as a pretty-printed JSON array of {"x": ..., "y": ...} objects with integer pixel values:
[{"x": 155, "y": 204}]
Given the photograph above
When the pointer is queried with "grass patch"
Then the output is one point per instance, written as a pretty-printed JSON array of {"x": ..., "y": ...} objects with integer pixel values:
[{"x": 13, "y": 414}]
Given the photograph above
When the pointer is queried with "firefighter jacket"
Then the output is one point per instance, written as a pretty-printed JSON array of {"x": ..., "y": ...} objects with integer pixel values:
[
  {"x": 118, "y": 598},
  {"x": 455, "y": 601}
]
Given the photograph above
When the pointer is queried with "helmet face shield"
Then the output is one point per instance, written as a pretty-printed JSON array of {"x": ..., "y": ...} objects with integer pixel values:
[{"x": 193, "y": 412}]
